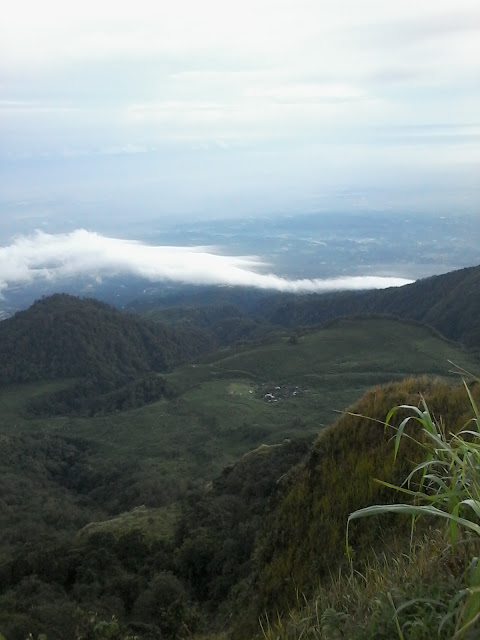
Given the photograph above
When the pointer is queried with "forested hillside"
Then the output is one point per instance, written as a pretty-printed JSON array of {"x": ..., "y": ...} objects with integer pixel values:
[
  {"x": 67, "y": 337},
  {"x": 450, "y": 303},
  {"x": 267, "y": 528},
  {"x": 111, "y": 359},
  {"x": 159, "y": 571},
  {"x": 224, "y": 324}
]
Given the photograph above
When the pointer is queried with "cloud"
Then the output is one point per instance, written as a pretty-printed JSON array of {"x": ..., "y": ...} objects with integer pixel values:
[{"x": 81, "y": 253}]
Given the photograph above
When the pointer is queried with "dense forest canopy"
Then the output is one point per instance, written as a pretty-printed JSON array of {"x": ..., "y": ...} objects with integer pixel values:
[{"x": 67, "y": 337}]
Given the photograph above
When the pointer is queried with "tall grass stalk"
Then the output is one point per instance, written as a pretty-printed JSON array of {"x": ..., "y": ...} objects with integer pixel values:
[{"x": 445, "y": 484}]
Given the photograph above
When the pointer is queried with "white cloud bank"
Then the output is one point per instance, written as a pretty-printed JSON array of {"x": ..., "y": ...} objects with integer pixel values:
[{"x": 82, "y": 253}]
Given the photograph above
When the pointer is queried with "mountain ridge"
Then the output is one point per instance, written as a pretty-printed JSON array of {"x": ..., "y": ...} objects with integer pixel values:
[{"x": 448, "y": 302}]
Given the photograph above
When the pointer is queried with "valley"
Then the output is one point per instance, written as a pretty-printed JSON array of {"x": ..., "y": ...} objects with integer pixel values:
[{"x": 175, "y": 484}]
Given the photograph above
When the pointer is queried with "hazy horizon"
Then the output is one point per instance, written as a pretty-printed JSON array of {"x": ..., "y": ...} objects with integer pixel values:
[{"x": 215, "y": 110}]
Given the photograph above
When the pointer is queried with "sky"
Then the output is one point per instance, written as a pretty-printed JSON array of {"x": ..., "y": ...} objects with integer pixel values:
[
  {"x": 257, "y": 104},
  {"x": 117, "y": 111}
]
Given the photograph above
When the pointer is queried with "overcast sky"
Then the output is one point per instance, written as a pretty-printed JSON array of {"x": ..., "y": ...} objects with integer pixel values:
[{"x": 216, "y": 108}]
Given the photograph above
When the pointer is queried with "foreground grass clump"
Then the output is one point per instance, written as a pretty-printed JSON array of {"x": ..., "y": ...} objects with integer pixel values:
[
  {"x": 446, "y": 484},
  {"x": 411, "y": 596},
  {"x": 433, "y": 590}
]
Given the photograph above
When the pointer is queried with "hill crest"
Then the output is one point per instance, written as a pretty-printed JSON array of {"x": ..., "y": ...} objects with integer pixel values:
[{"x": 62, "y": 336}]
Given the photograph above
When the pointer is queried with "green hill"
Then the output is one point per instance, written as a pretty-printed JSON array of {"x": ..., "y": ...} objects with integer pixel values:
[
  {"x": 67, "y": 337},
  {"x": 225, "y": 324},
  {"x": 111, "y": 359},
  {"x": 268, "y": 528},
  {"x": 450, "y": 303}
]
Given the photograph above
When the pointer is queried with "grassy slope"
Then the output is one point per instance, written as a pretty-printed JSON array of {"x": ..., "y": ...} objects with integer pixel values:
[{"x": 302, "y": 542}]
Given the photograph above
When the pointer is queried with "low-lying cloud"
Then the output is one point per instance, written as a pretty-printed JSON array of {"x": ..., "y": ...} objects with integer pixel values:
[{"x": 81, "y": 253}]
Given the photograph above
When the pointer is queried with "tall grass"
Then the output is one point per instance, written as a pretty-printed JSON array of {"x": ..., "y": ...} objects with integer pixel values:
[
  {"x": 430, "y": 589},
  {"x": 407, "y": 596},
  {"x": 446, "y": 484}
]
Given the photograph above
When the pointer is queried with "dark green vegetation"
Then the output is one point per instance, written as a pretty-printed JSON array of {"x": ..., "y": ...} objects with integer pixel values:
[
  {"x": 183, "y": 495},
  {"x": 435, "y": 301},
  {"x": 67, "y": 337},
  {"x": 114, "y": 358}
]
